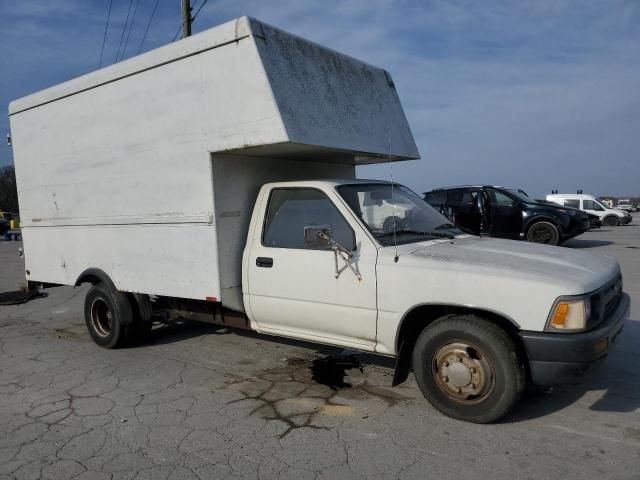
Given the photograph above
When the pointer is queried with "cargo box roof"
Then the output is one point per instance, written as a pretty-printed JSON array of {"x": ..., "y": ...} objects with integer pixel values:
[{"x": 320, "y": 103}]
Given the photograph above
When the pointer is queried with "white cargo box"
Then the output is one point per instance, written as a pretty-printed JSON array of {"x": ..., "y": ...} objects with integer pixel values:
[{"x": 148, "y": 169}]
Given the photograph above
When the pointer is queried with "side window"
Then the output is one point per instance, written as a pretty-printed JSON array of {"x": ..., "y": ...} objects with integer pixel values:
[
  {"x": 497, "y": 197},
  {"x": 436, "y": 198},
  {"x": 591, "y": 205},
  {"x": 290, "y": 210},
  {"x": 457, "y": 195},
  {"x": 572, "y": 203}
]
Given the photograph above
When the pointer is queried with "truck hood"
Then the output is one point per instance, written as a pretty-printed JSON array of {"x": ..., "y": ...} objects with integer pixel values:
[{"x": 582, "y": 271}]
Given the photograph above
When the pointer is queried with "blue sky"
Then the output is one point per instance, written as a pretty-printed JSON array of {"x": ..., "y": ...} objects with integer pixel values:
[{"x": 539, "y": 94}]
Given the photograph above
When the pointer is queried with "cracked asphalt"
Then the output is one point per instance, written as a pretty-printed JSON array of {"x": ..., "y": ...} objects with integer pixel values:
[{"x": 199, "y": 401}]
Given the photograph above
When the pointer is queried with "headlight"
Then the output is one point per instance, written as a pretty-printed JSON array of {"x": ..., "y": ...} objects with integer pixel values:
[{"x": 569, "y": 315}]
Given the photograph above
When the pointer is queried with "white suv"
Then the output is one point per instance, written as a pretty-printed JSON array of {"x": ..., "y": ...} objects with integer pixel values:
[
  {"x": 625, "y": 205},
  {"x": 590, "y": 204}
]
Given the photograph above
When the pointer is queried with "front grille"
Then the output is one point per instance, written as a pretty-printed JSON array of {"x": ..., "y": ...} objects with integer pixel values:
[{"x": 605, "y": 301}]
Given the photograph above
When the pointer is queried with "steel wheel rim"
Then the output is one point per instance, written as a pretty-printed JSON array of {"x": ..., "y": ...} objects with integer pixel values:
[
  {"x": 463, "y": 372},
  {"x": 101, "y": 318}
]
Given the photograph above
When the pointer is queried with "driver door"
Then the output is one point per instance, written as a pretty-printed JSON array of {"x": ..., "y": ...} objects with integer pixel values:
[
  {"x": 504, "y": 214},
  {"x": 306, "y": 291}
]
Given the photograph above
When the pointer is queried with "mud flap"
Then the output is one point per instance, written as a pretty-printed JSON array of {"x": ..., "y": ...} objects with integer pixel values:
[{"x": 403, "y": 364}]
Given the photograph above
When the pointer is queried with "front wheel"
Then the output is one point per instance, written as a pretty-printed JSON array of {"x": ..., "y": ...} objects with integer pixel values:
[
  {"x": 611, "y": 221},
  {"x": 468, "y": 368},
  {"x": 543, "y": 232}
]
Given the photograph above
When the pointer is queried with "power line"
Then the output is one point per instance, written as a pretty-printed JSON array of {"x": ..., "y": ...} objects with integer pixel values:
[
  {"x": 177, "y": 33},
  {"x": 106, "y": 29},
  {"x": 133, "y": 19},
  {"x": 198, "y": 11},
  {"x": 148, "y": 25},
  {"x": 193, "y": 19},
  {"x": 124, "y": 29}
]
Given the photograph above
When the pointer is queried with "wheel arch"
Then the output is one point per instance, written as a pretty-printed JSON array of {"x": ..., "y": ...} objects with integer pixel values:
[
  {"x": 541, "y": 218},
  {"x": 421, "y": 316},
  {"x": 140, "y": 303},
  {"x": 94, "y": 276}
]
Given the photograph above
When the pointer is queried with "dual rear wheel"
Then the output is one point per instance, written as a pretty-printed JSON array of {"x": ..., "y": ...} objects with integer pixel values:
[{"x": 112, "y": 317}]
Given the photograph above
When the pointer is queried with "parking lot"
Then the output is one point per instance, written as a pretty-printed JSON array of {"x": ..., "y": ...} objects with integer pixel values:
[{"x": 200, "y": 401}]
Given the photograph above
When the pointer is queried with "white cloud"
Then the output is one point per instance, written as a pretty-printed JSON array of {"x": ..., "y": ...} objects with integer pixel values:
[{"x": 537, "y": 94}]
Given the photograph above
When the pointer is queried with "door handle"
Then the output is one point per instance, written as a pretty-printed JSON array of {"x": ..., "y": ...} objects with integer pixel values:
[{"x": 265, "y": 262}]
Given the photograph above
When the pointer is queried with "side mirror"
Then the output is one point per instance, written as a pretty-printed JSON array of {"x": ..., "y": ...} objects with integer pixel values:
[{"x": 311, "y": 237}]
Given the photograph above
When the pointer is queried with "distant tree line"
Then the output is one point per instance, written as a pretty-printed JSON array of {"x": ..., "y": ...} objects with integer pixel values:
[{"x": 8, "y": 190}]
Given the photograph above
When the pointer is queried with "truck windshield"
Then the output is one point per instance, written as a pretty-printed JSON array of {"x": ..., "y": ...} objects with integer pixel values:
[{"x": 396, "y": 213}]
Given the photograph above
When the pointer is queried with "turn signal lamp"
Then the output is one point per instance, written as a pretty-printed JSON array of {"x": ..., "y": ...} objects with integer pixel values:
[{"x": 569, "y": 315}]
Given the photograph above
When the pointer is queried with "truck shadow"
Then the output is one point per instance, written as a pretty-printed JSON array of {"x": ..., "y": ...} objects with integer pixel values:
[
  {"x": 580, "y": 243},
  {"x": 618, "y": 379},
  {"x": 180, "y": 330}
]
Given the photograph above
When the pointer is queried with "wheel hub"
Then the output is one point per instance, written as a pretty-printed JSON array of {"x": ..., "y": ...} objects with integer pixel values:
[
  {"x": 458, "y": 373},
  {"x": 101, "y": 317},
  {"x": 462, "y": 372}
]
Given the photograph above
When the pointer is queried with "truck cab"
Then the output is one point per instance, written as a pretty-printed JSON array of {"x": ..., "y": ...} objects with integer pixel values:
[{"x": 476, "y": 317}]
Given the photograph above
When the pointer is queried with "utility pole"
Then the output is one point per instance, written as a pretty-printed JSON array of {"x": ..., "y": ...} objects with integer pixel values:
[{"x": 186, "y": 18}]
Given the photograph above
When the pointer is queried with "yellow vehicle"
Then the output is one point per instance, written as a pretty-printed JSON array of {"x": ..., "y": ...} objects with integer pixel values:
[{"x": 12, "y": 219}]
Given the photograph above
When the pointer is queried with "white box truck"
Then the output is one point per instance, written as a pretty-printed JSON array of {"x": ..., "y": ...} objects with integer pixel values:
[{"x": 214, "y": 178}]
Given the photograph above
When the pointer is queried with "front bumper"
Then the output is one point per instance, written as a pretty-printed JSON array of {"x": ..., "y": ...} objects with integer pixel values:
[
  {"x": 577, "y": 226},
  {"x": 567, "y": 357},
  {"x": 626, "y": 220}
]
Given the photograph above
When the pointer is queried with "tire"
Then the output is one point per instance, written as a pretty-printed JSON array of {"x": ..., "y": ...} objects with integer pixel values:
[
  {"x": 611, "y": 221},
  {"x": 468, "y": 368},
  {"x": 543, "y": 232},
  {"x": 142, "y": 324},
  {"x": 108, "y": 316}
]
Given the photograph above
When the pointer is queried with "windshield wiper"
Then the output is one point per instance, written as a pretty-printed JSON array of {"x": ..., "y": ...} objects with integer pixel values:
[{"x": 445, "y": 226}]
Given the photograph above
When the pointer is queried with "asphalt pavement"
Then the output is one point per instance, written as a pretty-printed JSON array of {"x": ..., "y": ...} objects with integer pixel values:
[{"x": 200, "y": 401}]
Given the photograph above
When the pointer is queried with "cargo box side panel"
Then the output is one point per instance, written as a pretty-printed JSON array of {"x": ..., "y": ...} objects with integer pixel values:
[
  {"x": 237, "y": 180},
  {"x": 118, "y": 177},
  {"x": 175, "y": 260},
  {"x": 138, "y": 146}
]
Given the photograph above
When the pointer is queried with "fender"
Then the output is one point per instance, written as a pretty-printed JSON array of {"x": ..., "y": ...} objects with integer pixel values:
[
  {"x": 139, "y": 303},
  {"x": 539, "y": 217},
  {"x": 94, "y": 276},
  {"x": 410, "y": 326}
]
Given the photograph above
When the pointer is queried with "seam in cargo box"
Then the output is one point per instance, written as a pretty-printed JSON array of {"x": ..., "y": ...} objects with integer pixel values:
[{"x": 235, "y": 40}]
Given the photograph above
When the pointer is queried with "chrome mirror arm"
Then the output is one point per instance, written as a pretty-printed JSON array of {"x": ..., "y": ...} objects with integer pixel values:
[{"x": 342, "y": 252}]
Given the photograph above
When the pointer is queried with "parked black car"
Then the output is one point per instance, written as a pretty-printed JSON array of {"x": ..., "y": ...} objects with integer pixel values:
[{"x": 507, "y": 213}]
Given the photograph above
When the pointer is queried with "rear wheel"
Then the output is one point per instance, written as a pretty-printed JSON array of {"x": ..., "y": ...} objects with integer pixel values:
[
  {"x": 543, "y": 232},
  {"x": 108, "y": 316},
  {"x": 611, "y": 221},
  {"x": 468, "y": 368}
]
